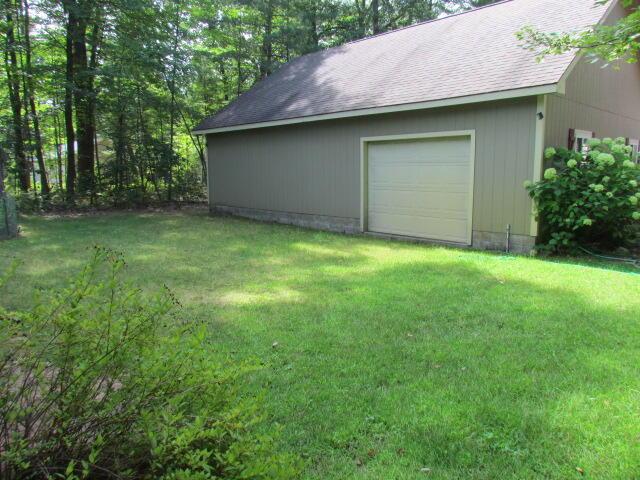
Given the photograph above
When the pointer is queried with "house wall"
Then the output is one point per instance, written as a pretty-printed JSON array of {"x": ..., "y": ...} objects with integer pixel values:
[
  {"x": 314, "y": 168},
  {"x": 601, "y": 100}
]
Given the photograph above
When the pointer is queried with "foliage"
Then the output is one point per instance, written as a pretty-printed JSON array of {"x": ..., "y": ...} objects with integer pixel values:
[
  {"x": 589, "y": 197},
  {"x": 392, "y": 358},
  {"x": 153, "y": 71},
  {"x": 609, "y": 43},
  {"x": 100, "y": 380}
]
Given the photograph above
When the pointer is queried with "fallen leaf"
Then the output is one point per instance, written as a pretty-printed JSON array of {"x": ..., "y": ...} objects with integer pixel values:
[
  {"x": 580, "y": 470},
  {"x": 275, "y": 344},
  {"x": 425, "y": 470}
]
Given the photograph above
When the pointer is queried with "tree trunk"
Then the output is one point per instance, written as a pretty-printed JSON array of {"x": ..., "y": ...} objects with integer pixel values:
[
  {"x": 68, "y": 110},
  {"x": 56, "y": 134},
  {"x": 83, "y": 90},
  {"x": 375, "y": 16},
  {"x": 13, "y": 83},
  {"x": 266, "y": 64},
  {"x": 3, "y": 168},
  {"x": 44, "y": 184}
]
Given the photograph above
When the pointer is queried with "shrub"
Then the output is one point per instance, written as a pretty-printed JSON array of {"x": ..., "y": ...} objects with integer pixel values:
[
  {"x": 588, "y": 198},
  {"x": 100, "y": 380}
]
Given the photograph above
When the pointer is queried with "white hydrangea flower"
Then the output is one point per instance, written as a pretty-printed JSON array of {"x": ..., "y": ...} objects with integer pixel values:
[
  {"x": 549, "y": 153},
  {"x": 550, "y": 173}
]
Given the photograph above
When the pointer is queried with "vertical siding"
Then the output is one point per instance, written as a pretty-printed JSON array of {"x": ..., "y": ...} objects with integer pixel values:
[
  {"x": 602, "y": 100},
  {"x": 314, "y": 168}
]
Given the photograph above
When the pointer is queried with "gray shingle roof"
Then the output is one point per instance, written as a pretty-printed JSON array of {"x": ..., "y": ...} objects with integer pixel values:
[{"x": 475, "y": 52}]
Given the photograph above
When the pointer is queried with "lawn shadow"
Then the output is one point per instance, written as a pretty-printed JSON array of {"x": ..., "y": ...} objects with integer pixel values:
[{"x": 470, "y": 364}]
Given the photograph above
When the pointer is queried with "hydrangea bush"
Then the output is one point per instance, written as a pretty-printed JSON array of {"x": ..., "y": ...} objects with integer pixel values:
[{"x": 588, "y": 199}]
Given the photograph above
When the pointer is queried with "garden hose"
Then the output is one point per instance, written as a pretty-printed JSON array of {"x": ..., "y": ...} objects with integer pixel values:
[{"x": 633, "y": 261}]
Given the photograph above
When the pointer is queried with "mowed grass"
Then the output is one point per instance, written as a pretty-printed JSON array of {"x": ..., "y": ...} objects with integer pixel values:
[{"x": 393, "y": 360}]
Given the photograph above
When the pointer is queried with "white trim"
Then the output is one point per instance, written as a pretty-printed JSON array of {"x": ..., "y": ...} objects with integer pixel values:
[
  {"x": 538, "y": 155},
  {"x": 206, "y": 162},
  {"x": 484, "y": 97},
  {"x": 634, "y": 142},
  {"x": 581, "y": 134},
  {"x": 364, "y": 169}
]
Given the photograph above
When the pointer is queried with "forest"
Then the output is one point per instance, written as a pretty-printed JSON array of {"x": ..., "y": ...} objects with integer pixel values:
[{"x": 100, "y": 97}]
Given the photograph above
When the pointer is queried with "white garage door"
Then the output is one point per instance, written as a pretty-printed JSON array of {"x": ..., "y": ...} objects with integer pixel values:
[{"x": 421, "y": 188}]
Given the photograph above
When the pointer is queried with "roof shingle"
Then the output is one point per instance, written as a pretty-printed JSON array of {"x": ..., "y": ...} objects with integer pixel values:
[{"x": 471, "y": 53}]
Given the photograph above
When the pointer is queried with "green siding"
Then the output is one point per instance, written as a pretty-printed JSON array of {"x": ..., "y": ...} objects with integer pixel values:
[
  {"x": 601, "y": 100},
  {"x": 314, "y": 168}
]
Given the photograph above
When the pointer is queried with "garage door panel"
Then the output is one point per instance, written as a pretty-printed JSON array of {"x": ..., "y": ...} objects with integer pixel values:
[
  {"x": 421, "y": 188},
  {"x": 421, "y": 175},
  {"x": 420, "y": 202},
  {"x": 415, "y": 226},
  {"x": 440, "y": 150}
]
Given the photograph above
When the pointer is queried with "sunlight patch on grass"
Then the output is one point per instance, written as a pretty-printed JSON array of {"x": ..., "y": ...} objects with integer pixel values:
[{"x": 391, "y": 357}]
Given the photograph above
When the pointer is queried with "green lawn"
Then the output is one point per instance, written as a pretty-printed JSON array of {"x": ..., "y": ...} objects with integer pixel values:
[{"x": 392, "y": 358}]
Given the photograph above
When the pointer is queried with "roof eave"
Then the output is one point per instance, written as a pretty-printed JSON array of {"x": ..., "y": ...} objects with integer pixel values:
[{"x": 447, "y": 102}]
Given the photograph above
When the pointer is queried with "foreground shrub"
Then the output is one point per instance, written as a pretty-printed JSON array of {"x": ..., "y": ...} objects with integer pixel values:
[
  {"x": 99, "y": 380},
  {"x": 588, "y": 199}
]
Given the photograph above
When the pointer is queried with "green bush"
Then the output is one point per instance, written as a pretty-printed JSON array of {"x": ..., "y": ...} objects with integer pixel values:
[
  {"x": 588, "y": 199},
  {"x": 100, "y": 380}
]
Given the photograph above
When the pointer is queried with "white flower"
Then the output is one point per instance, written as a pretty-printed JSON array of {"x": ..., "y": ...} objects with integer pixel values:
[
  {"x": 572, "y": 163},
  {"x": 549, "y": 153},
  {"x": 550, "y": 173}
]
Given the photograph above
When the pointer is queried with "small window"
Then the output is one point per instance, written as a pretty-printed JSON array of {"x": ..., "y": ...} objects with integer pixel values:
[
  {"x": 635, "y": 144},
  {"x": 580, "y": 138}
]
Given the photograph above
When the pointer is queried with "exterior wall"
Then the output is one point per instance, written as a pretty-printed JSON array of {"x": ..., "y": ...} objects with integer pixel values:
[
  {"x": 314, "y": 168},
  {"x": 601, "y": 100}
]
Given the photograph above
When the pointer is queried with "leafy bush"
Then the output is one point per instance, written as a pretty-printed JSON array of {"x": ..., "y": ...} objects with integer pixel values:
[
  {"x": 99, "y": 380},
  {"x": 588, "y": 198}
]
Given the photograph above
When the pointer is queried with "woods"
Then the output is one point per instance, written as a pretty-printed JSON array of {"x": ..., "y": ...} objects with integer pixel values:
[{"x": 99, "y": 98}]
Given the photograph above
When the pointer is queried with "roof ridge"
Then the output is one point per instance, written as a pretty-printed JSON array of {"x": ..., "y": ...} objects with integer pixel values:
[{"x": 423, "y": 22}]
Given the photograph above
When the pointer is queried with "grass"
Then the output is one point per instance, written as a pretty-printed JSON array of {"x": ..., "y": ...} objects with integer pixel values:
[{"x": 393, "y": 360}]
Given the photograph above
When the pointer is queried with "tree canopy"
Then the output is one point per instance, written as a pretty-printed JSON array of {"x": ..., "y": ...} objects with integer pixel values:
[
  {"x": 610, "y": 44},
  {"x": 100, "y": 97}
]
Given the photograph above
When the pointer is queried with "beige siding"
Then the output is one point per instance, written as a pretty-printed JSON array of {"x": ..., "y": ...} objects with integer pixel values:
[
  {"x": 314, "y": 168},
  {"x": 602, "y": 100}
]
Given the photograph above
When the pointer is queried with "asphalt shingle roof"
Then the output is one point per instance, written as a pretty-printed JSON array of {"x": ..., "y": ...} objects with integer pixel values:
[{"x": 470, "y": 53}]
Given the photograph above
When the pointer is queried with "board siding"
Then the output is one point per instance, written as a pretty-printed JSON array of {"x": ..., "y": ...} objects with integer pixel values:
[
  {"x": 314, "y": 168},
  {"x": 601, "y": 100}
]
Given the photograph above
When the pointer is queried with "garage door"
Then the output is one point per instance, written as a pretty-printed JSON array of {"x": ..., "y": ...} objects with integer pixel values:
[{"x": 421, "y": 188}]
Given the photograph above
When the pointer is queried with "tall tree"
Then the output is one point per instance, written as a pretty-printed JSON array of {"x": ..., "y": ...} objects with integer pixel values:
[
  {"x": 70, "y": 29},
  {"x": 13, "y": 84},
  {"x": 80, "y": 15},
  {"x": 42, "y": 169}
]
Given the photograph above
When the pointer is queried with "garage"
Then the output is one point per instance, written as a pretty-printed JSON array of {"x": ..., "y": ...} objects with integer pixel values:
[{"x": 421, "y": 185}]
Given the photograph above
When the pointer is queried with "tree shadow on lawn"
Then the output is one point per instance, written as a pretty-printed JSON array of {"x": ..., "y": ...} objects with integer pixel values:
[
  {"x": 459, "y": 370},
  {"x": 393, "y": 357}
]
